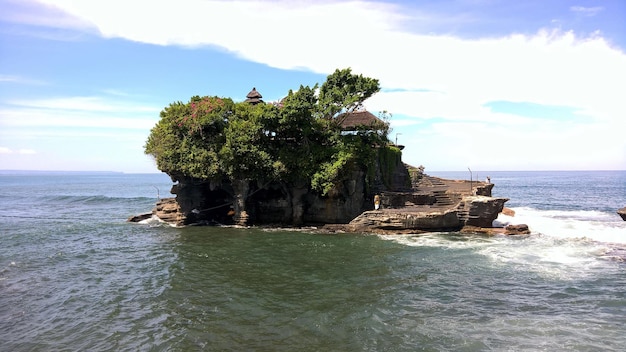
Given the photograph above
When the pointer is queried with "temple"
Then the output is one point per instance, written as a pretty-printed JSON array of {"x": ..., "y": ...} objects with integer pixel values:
[{"x": 254, "y": 97}]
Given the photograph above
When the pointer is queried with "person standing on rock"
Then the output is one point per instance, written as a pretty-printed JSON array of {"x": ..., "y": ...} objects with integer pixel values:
[{"x": 376, "y": 202}]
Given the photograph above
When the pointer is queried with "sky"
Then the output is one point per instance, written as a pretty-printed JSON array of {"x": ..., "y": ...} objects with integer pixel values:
[{"x": 480, "y": 84}]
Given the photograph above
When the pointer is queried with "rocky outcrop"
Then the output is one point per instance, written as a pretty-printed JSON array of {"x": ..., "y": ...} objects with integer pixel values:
[
  {"x": 248, "y": 202},
  {"x": 399, "y": 221},
  {"x": 431, "y": 204},
  {"x": 140, "y": 217},
  {"x": 521, "y": 229},
  {"x": 622, "y": 213},
  {"x": 167, "y": 210},
  {"x": 479, "y": 211},
  {"x": 508, "y": 211},
  {"x": 476, "y": 211}
]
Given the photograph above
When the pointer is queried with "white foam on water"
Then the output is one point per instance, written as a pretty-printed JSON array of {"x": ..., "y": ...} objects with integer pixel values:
[
  {"x": 153, "y": 221},
  {"x": 565, "y": 243},
  {"x": 439, "y": 239},
  {"x": 562, "y": 244},
  {"x": 566, "y": 224},
  {"x": 550, "y": 257}
]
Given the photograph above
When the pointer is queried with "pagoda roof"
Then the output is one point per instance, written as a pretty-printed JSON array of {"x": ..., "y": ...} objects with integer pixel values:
[
  {"x": 353, "y": 120},
  {"x": 254, "y": 97}
]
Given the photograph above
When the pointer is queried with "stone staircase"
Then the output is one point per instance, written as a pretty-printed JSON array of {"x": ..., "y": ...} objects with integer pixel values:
[{"x": 439, "y": 191}]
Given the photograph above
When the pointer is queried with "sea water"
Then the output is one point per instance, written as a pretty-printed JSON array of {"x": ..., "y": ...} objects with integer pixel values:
[{"x": 75, "y": 276}]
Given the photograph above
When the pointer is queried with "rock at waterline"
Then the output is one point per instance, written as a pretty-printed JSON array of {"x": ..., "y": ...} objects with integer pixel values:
[
  {"x": 520, "y": 229},
  {"x": 508, "y": 212},
  {"x": 140, "y": 217},
  {"x": 622, "y": 213}
]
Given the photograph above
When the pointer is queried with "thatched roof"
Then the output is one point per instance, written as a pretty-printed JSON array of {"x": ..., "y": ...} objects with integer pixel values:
[
  {"x": 358, "y": 119},
  {"x": 254, "y": 97}
]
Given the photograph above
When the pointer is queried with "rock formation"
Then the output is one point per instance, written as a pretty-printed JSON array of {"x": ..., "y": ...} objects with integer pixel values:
[
  {"x": 430, "y": 204},
  {"x": 166, "y": 209},
  {"x": 622, "y": 213},
  {"x": 476, "y": 211},
  {"x": 521, "y": 229}
]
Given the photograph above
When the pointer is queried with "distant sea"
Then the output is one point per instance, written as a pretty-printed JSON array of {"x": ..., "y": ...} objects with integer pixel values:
[{"x": 75, "y": 276}]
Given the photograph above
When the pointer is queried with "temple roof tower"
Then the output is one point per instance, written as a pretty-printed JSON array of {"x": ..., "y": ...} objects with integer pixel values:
[
  {"x": 254, "y": 97},
  {"x": 352, "y": 121}
]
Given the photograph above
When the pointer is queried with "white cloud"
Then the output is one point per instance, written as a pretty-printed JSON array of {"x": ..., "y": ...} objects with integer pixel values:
[
  {"x": 551, "y": 67},
  {"x": 92, "y": 112},
  {"x": 5, "y": 150},
  {"x": 7, "y": 78},
  {"x": 82, "y": 103},
  {"x": 586, "y": 11},
  {"x": 33, "y": 13},
  {"x": 425, "y": 76},
  {"x": 19, "y": 80}
]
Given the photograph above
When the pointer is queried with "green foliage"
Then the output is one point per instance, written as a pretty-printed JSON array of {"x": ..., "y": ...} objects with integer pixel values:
[
  {"x": 344, "y": 91},
  {"x": 416, "y": 173},
  {"x": 245, "y": 153},
  {"x": 294, "y": 140},
  {"x": 388, "y": 158},
  {"x": 188, "y": 138},
  {"x": 329, "y": 174}
]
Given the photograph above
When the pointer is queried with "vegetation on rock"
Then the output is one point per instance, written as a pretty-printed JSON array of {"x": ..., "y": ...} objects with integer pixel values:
[{"x": 297, "y": 139}]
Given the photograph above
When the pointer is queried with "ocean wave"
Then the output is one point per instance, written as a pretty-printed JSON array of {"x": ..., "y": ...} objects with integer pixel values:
[
  {"x": 155, "y": 221},
  {"x": 570, "y": 224},
  {"x": 92, "y": 199},
  {"x": 564, "y": 245}
]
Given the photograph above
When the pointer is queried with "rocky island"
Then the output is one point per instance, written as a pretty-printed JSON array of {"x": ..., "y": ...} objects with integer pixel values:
[{"x": 316, "y": 157}]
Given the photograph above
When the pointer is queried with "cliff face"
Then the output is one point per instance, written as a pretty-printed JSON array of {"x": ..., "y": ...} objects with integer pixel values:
[
  {"x": 251, "y": 203},
  {"x": 258, "y": 202},
  {"x": 421, "y": 204},
  {"x": 432, "y": 204}
]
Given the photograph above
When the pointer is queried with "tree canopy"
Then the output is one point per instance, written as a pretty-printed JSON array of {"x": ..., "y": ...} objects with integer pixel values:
[{"x": 298, "y": 138}]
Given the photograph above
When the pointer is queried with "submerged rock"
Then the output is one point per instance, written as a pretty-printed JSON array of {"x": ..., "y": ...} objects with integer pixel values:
[
  {"x": 508, "y": 211},
  {"x": 520, "y": 229},
  {"x": 140, "y": 217}
]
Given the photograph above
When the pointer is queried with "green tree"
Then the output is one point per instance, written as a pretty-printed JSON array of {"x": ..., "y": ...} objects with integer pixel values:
[
  {"x": 245, "y": 153},
  {"x": 344, "y": 91},
  {"x": 188, "y": 138},
  {"x": 300, "y": 140},
  {"x": 297, "y": 140}
]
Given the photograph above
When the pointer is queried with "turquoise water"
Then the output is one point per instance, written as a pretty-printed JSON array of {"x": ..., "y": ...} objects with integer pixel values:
[{"x": 75, "y": 276}]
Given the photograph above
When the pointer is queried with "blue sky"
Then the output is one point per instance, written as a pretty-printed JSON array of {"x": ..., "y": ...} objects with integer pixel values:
[{"x": 486, "y": 84}]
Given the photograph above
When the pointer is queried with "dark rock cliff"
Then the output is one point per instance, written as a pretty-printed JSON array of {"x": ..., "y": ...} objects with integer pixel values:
[{"x": 260, "y": 202}]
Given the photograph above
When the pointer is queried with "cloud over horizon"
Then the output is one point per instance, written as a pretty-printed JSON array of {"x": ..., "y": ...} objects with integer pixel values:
[{"x": 443, "y": 82}]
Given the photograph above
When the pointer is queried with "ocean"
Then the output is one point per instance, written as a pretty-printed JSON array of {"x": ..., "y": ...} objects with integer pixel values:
[{"x": 75, "y": 276}]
